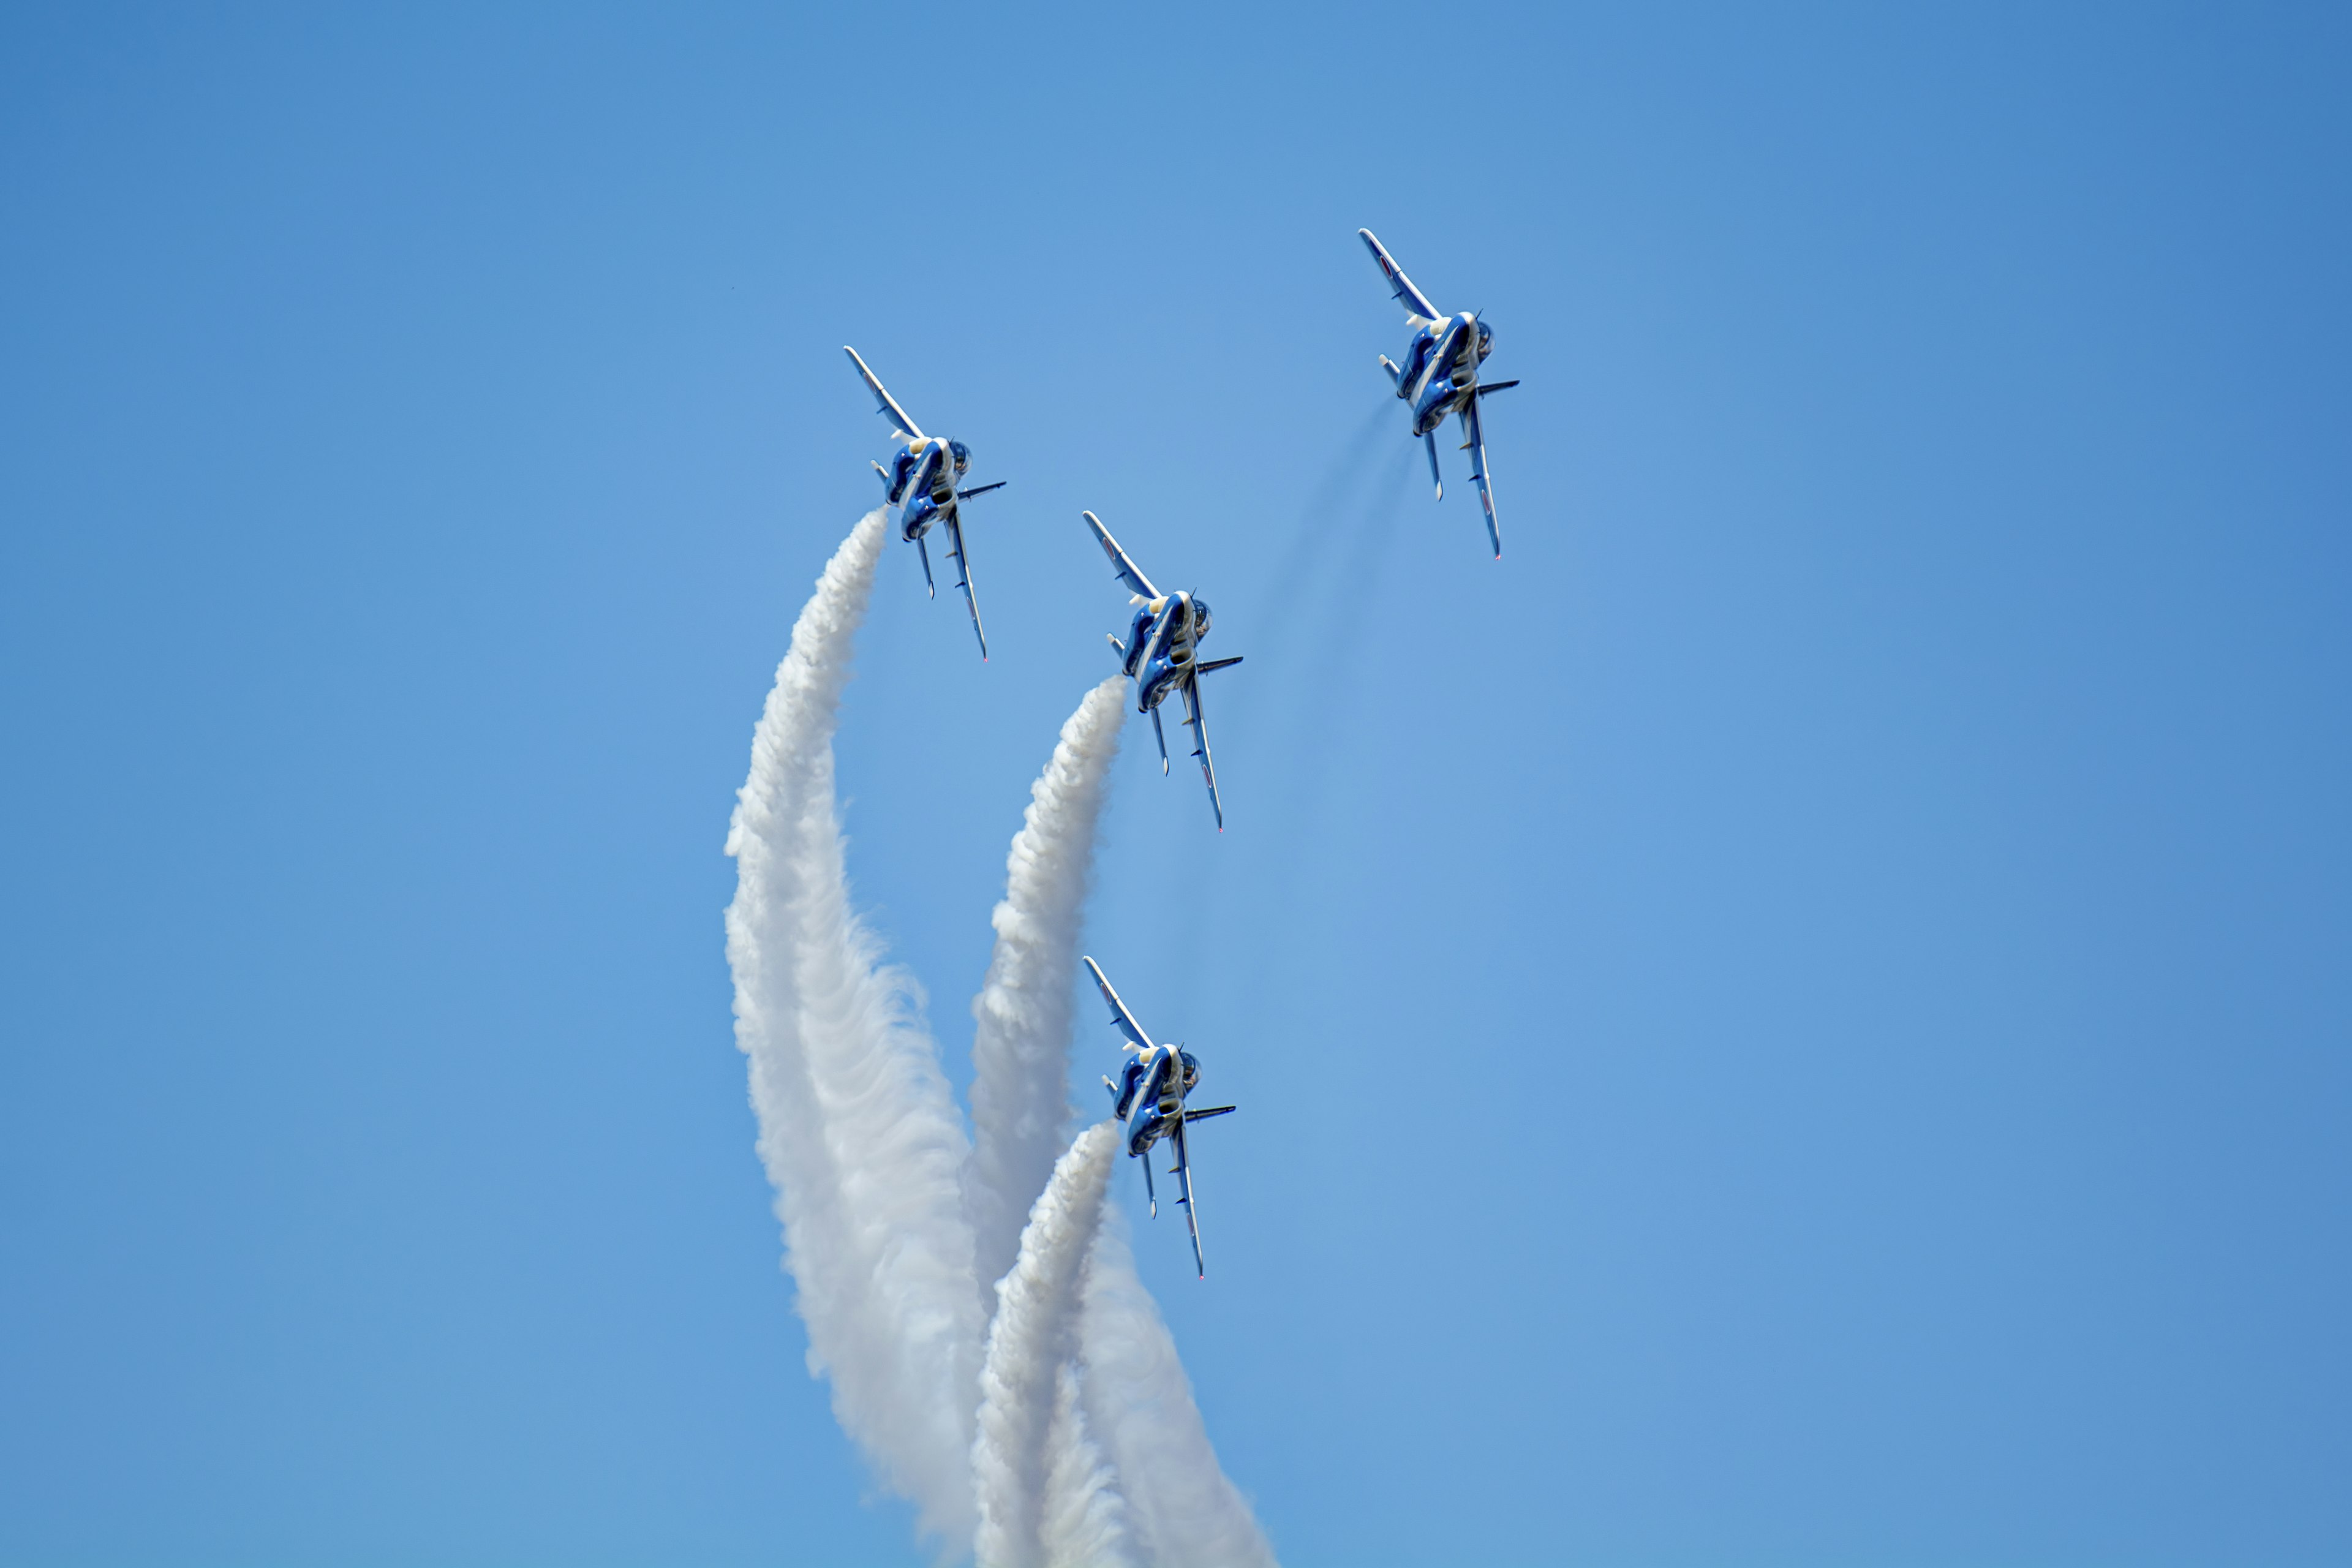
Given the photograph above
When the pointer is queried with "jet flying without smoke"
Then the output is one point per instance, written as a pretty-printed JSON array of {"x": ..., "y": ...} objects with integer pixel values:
[
  {"x": 1161, "y": 654},
  {"x": 1149, "y": 1097},
  {"x": 922, "y": 481},
  {"x": 1439, "y": 376}
]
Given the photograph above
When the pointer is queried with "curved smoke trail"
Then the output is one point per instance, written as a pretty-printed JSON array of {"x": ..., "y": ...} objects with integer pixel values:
[
  {"x": 1119, "y": 1402},
  {"x": 1027, "y": 1368},
  {"x": 878, "y": 1189},
  {"x": 1020, "y": 1053},
  {"x": 1182, "y": 1510},
  {"x": 858, "y": 1128}
]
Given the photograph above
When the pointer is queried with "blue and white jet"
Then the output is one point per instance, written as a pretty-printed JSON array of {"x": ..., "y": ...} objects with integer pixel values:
[
  {"x": 922, "y": 478},
  {"x": 1149, "y": 1097},
  {"x": 1439, "y": 376},
  {"x": 1160, "y": 655}
]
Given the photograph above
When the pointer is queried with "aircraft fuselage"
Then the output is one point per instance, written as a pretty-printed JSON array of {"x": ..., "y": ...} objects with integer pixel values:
[
  {"x": 923, "y": 479},
  {"x": 1151, "y": 1098},
  {"x": 1440, "y": 372},
  {"x": 1161, "y": 644}
]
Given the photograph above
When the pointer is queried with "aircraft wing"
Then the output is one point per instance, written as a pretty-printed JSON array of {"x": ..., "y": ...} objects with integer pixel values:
[
  {"x": 1184, "y": 1174},
  {"x": 1411, "y": 298},
  {"x": 1121, "y": 567},
  {"x": 954, "y": 521},
  {"x": 1473, "y": 433},
  {"x": 901, "y": 427},
  {"x": 1122, "y": 1019},
  {"x": 1201, "y": 745}
]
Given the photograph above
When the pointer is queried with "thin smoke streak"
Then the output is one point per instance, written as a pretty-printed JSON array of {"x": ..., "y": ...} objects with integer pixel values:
[
  {"x": 1318, "y": 534},
  {"x": 1309, "y": 616}
]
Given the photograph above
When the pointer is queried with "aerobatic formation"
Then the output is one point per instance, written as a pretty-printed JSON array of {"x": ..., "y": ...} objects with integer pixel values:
[{"x": 989, "y": 1346}]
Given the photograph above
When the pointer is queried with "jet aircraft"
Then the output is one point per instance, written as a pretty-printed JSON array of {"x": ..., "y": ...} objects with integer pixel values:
[
  {"x": 923, "y": 478},
  {"x": 1439, "y": 376},
  {"x": 1149, "y": 1097},
  {"x": 1160, "y": 655}
]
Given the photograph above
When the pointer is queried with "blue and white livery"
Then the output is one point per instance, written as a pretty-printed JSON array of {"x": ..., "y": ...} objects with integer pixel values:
[
  {"x": 1439, "y": 376},
  {"x": 1150, "y": 1098},
  {"x": 1161, "y": 654},
  {"x": 923, "y": 479}
]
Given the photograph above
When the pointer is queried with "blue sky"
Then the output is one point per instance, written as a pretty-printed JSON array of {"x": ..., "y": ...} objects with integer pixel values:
[{"x": 1801, "y": 1018}]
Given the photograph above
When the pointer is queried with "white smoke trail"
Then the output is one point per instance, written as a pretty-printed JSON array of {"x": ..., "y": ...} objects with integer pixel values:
[
  {"x": 1084, "y": 1520},
  {"x": 1030, "y": 1345},
  {"x": 858, "y": 1128},
  {"x": 860, "y": 1137},
  {"x": 1134, "y": 1406},
  {"x": 1020, "y": 1053},
  {"x": 1183, "y": 1510}
]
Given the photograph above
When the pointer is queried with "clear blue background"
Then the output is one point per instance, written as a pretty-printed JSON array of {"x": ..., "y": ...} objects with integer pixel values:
[{"x": 1801, "y": 1018}]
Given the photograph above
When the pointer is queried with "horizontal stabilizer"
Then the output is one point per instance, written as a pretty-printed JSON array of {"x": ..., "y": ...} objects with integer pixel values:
[
  {"x": 1395, "y": 374},
  {"x": 1216, "y": 664},
  {"x": 1207, "y": 1112}
]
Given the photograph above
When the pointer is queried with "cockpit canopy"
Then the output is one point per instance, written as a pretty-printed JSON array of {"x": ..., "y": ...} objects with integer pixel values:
[
  {"x": 1200, "y": 615},
  {"x": 1191, "y": 1069},
  {"x": 1485, "y": 340},
  {"x": 963, "y": 455}
]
